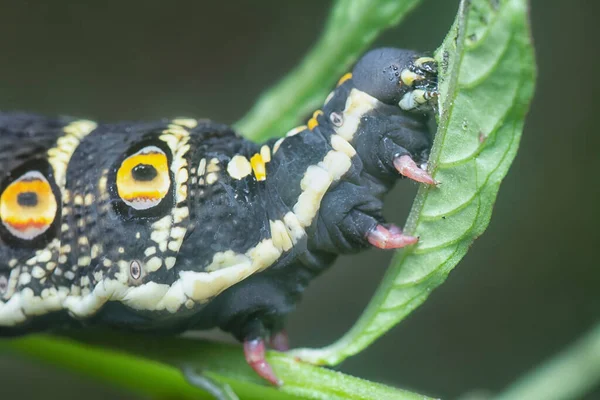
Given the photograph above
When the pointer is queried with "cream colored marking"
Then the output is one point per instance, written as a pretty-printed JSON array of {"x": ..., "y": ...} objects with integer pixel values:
[
  {"x": 24, "y": 278},
  {"x": 38, "y": 272},
  {"x": 213, "y": 165},
  {"x": 178, "y": 232},
  {"x": 144, "y": 297},
  {"x": 281, "y": 237},
  {"x": 202, "y": 167},
  {"x": 189, "y": 303},
  {"x": 59, "y": 156},
  {"x": 44, "y": 256},
  {"x": 173, "y": 299},
  {"x": 11, "y": 312},
  {"x": 358, "y": 104},
  {"x": 182, "y": 176},
  {"x": 329, "y": 97},
  {"x": 103, "y": 183},
  {"x": 170, "y": 262},
  {"x": 277, "y": 145},
  {"x": 265, "y": 153},
  {"x": 180, "y": 214},
  {"x": 187, "y": 122},
  {"x": 293, "y": 226},
  {"x": 314, "y": 184},
  {"x": 340, "y": 144},
  {"x": 161, "y": 238},
  {"x": 296, "y": 130},
  {"x": 422, "y": 60},
  {"x": 239, "y": 167},
  {"x": 88, "y": 200},
  {"x": 175, "y": 245},
  {"x": 225, "y": 259},
  {"x": 336, "y": 163},
  {"x": 84, "y": 261},
  {"x": 150, "y": 251},
  {"x": 95, "y": 251},
  {"x": 153, "y": 264},
  {"x": 413, "y": 99},
  {"x": 177, "y": 137},
  {"x": 211, "y": 178},
  {"x": 200, "y": 286},
  {"x": 162, "y": 224}
]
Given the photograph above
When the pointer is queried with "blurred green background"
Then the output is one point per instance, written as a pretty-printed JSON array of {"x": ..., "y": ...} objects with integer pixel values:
[{"x": 527, "y": 288}]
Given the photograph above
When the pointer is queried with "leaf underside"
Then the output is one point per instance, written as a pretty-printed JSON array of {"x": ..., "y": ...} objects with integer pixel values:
[{"x": 486, "y": 85}]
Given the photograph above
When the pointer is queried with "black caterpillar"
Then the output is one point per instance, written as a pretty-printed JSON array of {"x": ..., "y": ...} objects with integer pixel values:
[{"x": 181, "y": 224}]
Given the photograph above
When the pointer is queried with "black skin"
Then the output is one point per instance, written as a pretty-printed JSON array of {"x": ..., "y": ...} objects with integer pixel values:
[
  {"x": 231, "y": 214},
  {"x": 257, "y": 306}
]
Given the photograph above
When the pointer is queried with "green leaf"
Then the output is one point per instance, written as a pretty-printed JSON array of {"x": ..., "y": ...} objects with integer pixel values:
[
  {"x": 487, "y": 82},
  {"x": 352, "y": 26},
  {"x": 150, "y": 366}
]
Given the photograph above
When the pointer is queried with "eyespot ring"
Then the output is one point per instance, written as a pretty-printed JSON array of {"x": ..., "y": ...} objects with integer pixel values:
[
  {"x": 28, "y": 206},
  {"x": 336, "y": 119},
  {"x": 143, "y": 179},
  {"x": 135, "y": 270},
  {"x": 3, "y": 285}
]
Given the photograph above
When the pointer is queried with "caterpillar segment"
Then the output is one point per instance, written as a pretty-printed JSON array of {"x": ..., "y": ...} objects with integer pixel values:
[{"x": 181, "y": 224}]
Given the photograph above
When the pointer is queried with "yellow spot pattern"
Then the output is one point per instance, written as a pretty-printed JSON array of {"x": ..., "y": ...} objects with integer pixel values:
[
  {"x": 313, "y": 122},
  {"x": 259, "y": 167},
  {"x": 344, "y": 78}
]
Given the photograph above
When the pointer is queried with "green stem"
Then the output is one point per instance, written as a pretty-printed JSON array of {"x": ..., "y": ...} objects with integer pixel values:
[
  {"x": 352, "y": 26},
  {"x": 150, "y": 366},
  {"x": 569, "y": 375}
]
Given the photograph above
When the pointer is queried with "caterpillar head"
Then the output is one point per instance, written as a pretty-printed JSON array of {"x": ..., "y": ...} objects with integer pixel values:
[{"x": 396, "y": 76}]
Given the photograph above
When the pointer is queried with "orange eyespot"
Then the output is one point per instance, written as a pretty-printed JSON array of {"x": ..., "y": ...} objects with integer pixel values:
[
  {"x": 143, "y": 178},
  {"x": 28, "y": 206}
]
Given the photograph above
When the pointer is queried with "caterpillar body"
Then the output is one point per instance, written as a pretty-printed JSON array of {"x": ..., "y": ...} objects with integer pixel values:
[{"x": 182, "y": 224}]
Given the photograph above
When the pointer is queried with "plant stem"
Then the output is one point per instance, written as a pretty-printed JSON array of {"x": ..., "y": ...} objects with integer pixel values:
[
  {"x": 150, "y": 365},
  {"x": 351, "y": 27}
]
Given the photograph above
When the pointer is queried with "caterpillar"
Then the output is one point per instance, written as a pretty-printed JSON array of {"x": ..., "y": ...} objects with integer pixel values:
[{"x": 182, "y": 224}]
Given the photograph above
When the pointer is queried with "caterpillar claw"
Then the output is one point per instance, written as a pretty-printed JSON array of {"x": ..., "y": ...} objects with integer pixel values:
[
  {"x": 254, "y": 352},
  {"x": 389, "y": 238},
  {"x": 406, "y": 166}
]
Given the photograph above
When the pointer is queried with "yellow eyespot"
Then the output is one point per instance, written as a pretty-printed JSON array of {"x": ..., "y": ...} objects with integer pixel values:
[
  {"x": 143, "y": 178},
  {"x": 28, "y": 206}
]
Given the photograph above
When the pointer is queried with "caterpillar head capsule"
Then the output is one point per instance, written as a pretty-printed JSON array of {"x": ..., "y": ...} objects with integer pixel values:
[{"x": 399, "y": 77}]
